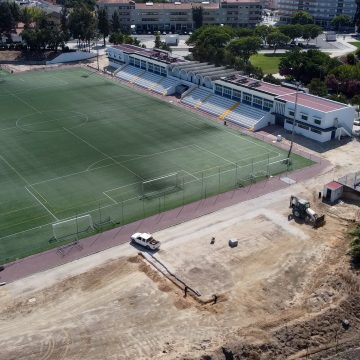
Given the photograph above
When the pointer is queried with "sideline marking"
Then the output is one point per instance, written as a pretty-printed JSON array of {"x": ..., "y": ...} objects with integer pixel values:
[
  {"x": 42, "y": 204},
  {"x": 114, "y": 201},
  {"x": 101, "y": 152}
]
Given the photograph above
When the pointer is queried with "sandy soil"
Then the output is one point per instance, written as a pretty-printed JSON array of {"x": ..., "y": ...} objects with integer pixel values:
[{"x": 282, "y": 276}]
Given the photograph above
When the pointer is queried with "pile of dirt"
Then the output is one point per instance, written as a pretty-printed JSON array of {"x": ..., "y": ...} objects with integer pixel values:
[{"x": 329, "y": 323}]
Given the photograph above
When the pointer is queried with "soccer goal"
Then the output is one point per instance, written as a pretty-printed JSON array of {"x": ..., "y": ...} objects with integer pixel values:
[
  {"x": 73, "y": 227},
  {"x": 161, "y": 185}
]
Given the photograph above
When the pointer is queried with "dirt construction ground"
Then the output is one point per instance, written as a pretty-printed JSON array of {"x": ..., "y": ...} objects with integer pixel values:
[{"x": 283, "y": 293}]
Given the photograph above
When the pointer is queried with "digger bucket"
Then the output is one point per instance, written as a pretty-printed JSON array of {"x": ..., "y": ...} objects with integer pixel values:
[{"x": 320, "y": 221}]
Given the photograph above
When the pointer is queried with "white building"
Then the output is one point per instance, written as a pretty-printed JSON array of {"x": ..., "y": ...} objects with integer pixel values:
[{"x": 232, "y": 97}]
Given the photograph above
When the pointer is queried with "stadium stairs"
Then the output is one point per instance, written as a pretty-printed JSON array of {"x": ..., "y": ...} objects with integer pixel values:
[
  {"x": 150, "y": 81},
  {"x": 129, "y": 73},
  {"x": 166, "y": 87},
  {"x": 226, "y": 109}
]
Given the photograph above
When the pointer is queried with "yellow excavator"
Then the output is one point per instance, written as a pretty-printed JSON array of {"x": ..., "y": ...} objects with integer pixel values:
[{"x": 301, "y": 210}]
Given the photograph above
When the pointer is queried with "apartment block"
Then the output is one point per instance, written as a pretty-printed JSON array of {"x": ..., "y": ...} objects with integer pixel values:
[
  {"x": 177, "y": 16},
  {"x": 322, "y": 10}
]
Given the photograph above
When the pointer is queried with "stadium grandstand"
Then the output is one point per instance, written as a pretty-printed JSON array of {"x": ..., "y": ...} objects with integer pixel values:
[{"x": 225, "y": 93}]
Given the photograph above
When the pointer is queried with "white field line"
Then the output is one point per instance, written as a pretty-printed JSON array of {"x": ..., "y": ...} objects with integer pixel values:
[
  {"x": 192, "y": 175},
  {"x": 31, "y": 89},
  {"x": 229, "y": 132},
  {"x": 42, "y": 204},
  {"x": 24, "y": 222},
  {"x": 102, "y": 207},
  {"x": 14, "y": 170},
  {"x": 28, "y": 184},
  {"x": 23, "y": 101},
  {"x": 121, "y": 187},
  {"x": 114, "y": 201},
  {"x": 16, "y": 210},
  {"x": 101, "y": 152},
  {"x": 104, "y": 166},
  {"x": 212, "y": 153},
  {"x": 237, "y": 165},
  {"x": 20, "y": 126}
]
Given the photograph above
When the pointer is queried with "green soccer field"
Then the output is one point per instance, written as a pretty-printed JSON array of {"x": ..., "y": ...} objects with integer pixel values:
[{"x": 73, "y": 143}]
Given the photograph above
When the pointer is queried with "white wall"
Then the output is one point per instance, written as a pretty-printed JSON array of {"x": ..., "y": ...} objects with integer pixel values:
[{"x": 71, "y": 57}]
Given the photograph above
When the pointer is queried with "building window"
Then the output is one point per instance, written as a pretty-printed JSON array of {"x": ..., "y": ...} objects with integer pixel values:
[
  {"x": 247, "y": 98},
  {"x": 143, "y": 64},
  {"x": 291, "y": 113},
  {"x": 131, "y": 60},
  {"x": 289, "y": 121},
  {"x": 236, "y": 95},
  {"x": 268, "y": 105},
  {"x": 150, "y": 67},
  {"x": 303, "y": 126},
  {"x": 218, "y": 89},
  {"x": 156, "y": 69},
  {"x": 257, "y": 102},
  {"x": 227, "y": 92},
  {"x": 317, "y": 122},
  {"x": 137, "y": 63},
  {"x": 316, "y": 131},
  {"x": 304, "y": 117}
]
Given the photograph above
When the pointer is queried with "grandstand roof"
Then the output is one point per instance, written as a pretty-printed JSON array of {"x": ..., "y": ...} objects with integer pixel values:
[
  {"x": 271, "y": 89},
  {"x": 313, "y": 102},
  {"x": 162, "y": 56}
]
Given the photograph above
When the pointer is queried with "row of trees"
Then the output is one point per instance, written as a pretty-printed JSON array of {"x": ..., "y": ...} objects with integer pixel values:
[
  {"x": 224, "y": 45},
  {"x": 322, "y": 74}
]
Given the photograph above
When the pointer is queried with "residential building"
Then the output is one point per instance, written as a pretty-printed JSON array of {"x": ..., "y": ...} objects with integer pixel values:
[
  {"x": 177, "y": 16},
  {"x": 323, "y": 11}
]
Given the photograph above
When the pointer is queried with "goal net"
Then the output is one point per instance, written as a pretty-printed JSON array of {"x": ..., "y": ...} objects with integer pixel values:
[
  {"x": 73, "y": 227},
  {"x": 161, "y": 185}
]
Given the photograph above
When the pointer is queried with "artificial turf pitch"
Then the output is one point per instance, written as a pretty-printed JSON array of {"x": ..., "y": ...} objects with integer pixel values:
[{"x": 74, "y": 143}]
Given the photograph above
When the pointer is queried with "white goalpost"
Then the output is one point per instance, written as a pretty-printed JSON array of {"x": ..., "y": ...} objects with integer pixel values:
[
  {"x": 73, "y": 226},
  {"x": 160, "y": 185}
]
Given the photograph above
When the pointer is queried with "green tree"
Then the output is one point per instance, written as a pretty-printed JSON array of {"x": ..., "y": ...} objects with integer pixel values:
[
  {"x": 7, "y": 19},
  {"x": 303, "y": 18},
  {"x": 356, "y": 101},
  {"x": 341, "y": 21},
  {"x": 293, "y": 31},
  {"x": 318, "y": 87},
  {"x": 115, "y": 22},
  {"x": 82, "y": 25},
  {"x": 351, "y": 59},
  {"x": 304, "y": 66},
  {"x": 245, "y": 47},
  {"x": 357, "y": 15},
  {"x": 157, "y": 40},
  {"x": 277, "y": 39},
  {"x": 209, "y": 42},
  {"x": 270, "y": 78},
  {"x": 197, "y": 16},
  {"x": 103, "y": 24},
  {"x": 263, "y": 31},
  {"x": 311, "y": 31},
  {"x": 339, "y": 98},
  {"x": 64, "y": 26}
]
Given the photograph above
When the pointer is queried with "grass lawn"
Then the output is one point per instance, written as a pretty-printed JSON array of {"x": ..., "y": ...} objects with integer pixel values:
[
  {"x": 74, "y": 143},
  {"x": 356, "y": 43},
  {"x": 269, "y": 63}
]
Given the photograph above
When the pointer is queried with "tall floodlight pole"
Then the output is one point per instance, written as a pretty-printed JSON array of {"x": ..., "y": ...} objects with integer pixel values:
[{"x": 293, "y": 127}]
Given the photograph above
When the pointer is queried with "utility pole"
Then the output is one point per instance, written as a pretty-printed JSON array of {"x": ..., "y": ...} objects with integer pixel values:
[{"x": 293, "y": 127}]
